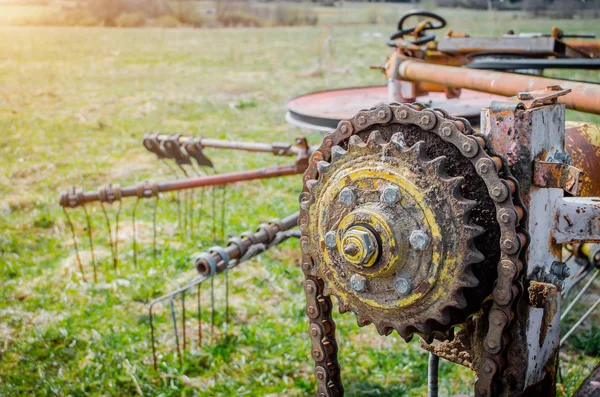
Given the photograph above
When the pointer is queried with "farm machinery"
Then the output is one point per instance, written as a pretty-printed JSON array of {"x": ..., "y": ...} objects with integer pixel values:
[{"x": 455, "y": 204}]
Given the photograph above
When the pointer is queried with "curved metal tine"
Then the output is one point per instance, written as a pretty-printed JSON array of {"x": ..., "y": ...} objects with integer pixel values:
[
  {"x": 176, "y": 194},
  {"x": 198, "y": 173},
  {"x": 116, "y": 258},
  {"x": 197, "y": 281},
  {"x": 223, "y": 196},
  {"x": 226, "y": 333},
  {"x": 154, "y": 232},
  {"x": 213, "y": 213},
  {"x": 174, "y": 320},
  {"x": 112, "y": 243},
  {"x": 199, "y": 298},
  {"x": 192, "y": 205},
  {"x": 183, "y": 319},
  {"x": 134, "y": 232},
  {"x": 212, "y": 309},
  {"x": 91, "y": 240},
  {"x": 579, "y": 295},
  {"x": 581, "y": 320},
  {"x": 72, "y": 227},
  {"x": 185, "y": 201},
  {"x": 152, "y": 337}
]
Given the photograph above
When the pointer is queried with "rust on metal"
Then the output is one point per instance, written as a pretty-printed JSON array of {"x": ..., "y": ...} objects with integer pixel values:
[
  {"x": 585, "y": 97},
  {"x": 557, "y": 175},
  {"x": 582, "y": 142},
  {"x": 266, "y": 234},
  {"x": 327, "y": 108},
  {"x": 577, "y": 219},
  {"x": 540, "y": 294}
]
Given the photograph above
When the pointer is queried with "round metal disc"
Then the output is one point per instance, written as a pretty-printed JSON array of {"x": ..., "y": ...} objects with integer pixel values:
[{"x": 323, "y": 110}]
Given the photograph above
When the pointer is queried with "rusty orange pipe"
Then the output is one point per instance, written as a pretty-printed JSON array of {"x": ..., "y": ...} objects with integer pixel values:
[{"x": 585, "y": 97}]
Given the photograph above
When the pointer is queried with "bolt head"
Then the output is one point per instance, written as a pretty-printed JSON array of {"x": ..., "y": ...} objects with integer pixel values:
[
  {"x": 523, "y": 96},
  {"x": 358, "y": 283},
  {"x": 359, "y": 246},
  {"x": 403, "y": 286},
  {"x": 390, "y": 195},
  {"x": 419, "y": 240},
  {"x": 553, "y": 87},
  {"x": 331, "y": 239},
  {"x": 347, "y": 197}
]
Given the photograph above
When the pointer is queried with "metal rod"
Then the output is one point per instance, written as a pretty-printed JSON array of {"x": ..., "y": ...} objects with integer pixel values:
[
  {"x": 89, "y": 230},
  {"x": 579, "y": 295},
  {"x": 135, "y": 264},
  {"x": 154, "y": 233},
  {"x": 183, "y": 320},
  {"x": 432, "y": 375},
  {"x": 75, "y": 244},
  {"x": 585, "y": 97},
  {"x": 581, "y": 320},
  {"x": 67, "y": 200},
  {"x": 174, "y": 320},
  {"x": 199, "y": 298},
  {"x": 280, "y": 149},
  {"x": 259, "y": 237}
]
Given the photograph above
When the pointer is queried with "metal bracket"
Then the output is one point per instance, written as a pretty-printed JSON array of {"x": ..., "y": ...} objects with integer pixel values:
[
  {"x": 577, "y": 219},
  {"x": 531, "y": 99},
  {"x": 172, "y": 148},
  {"x": 557, "y": 175},
  {"x": 194, "y": 147}
]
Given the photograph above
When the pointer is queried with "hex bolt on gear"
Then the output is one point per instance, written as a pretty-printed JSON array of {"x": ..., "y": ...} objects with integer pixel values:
[
  {"x": 347, "y": 197},
  {"x": 390, "y": 195},
  {"x": 331, "y": 240},
  {"x": 403, "y": 286},
  {"x": 358, "y": 282},
  {"x": 419, "y": 240}
]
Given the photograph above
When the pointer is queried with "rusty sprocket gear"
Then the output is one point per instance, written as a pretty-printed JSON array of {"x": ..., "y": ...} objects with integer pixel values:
[
  {"x": 398, "y": 244},
  {"x": 489, "y": 183}
]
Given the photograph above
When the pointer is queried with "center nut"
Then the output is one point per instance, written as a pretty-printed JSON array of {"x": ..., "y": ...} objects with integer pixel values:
[{"x": 359, "y": 246}]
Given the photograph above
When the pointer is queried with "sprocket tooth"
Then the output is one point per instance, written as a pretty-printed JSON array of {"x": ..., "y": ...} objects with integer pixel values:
[
  {"x": 416, "y": 151},
  {"x": 383, "y": 328},
  {"x": 362, "y": 320},
  {"x": 474, "y": 255},
  {"x": 355, "y": 141},
  {"x": 323, "y": 167},
  {"x": 311, "y": 184},
  {"x": 337, "y": 153},
  {"x": 473, "y": 231},
  {"x": 428, "y": 338},
  {"x": 438, "y": 165},
  {"x": 467, "y": 205},
  {"x": 398, "y": 141},
  {"x": 406, "y": 332},
  {"x": 375, "y": 140},
  {"x": 461, "y": 301},
  {"x": 328, "y": 291},
  {"x": 343, "y": 306},
  {"x": 469, "y": 278},
  {"x": 454, "y": 184}
]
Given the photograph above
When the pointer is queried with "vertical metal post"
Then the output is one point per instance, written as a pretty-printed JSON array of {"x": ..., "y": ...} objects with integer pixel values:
[{"x": 432, "y": 375}]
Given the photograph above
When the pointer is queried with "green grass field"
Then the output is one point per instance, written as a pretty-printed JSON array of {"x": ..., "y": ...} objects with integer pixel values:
[{"x": 74, "y": 106}]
